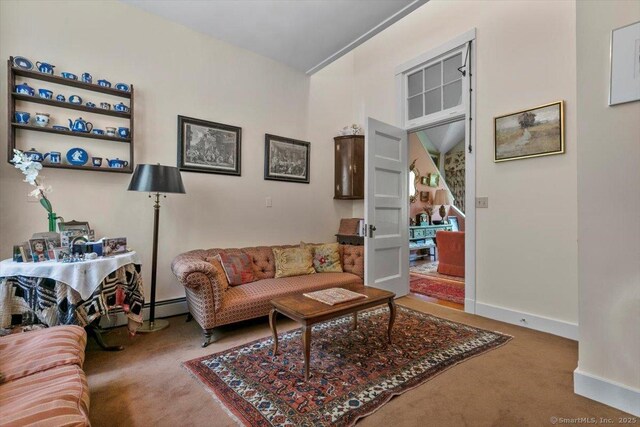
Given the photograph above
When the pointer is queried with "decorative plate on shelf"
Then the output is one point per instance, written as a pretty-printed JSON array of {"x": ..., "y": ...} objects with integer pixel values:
[
  {"x": 122, "y": 86},
  {"x": 22, "y": 62},
  {"x": 77, "y": 157}
]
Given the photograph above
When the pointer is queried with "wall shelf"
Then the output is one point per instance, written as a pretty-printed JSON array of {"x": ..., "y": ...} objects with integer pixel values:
[
  {"x": 128, "y": 169},
  {"x": 70, "y": 133},
  {"x": 15, "y": 73},
  {"x": 67, "y": 82},
  {"x": 70, "y": 106}
]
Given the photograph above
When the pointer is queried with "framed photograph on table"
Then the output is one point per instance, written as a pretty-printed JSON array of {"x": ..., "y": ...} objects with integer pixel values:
[
  {"x": 624, "y": 85},
  {"x": 208, "y": 147},
  {"x": 286, "y": 159},
  {"x": 533, "y": 132}
]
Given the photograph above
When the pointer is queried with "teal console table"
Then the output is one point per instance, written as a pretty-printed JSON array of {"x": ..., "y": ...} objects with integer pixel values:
[{"x": 422, "y": 240}]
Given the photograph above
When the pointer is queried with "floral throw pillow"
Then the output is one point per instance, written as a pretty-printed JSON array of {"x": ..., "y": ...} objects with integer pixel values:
[
  {"x": 326, "y": 257},
  {"x": 293, "y": 261},
  {"x": 237, "y": 268}
]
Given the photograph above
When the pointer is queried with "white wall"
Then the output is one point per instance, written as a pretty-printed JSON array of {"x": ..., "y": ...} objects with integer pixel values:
[
  {"x": 609, "y": 240},
  {"x": 175, "y": 71},
  {"x": 526, "y": 240}
]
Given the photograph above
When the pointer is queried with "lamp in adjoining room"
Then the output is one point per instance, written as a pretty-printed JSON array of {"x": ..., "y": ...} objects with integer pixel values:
[
  {"x": 442, "y": 198},
  {"x": 156, "y": 179}
]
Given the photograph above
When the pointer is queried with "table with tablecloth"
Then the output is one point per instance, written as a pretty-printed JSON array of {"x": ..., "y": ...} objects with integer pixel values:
[{"x": 79, "y": 293}]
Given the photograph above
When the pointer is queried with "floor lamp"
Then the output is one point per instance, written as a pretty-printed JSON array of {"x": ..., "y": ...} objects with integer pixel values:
[{"x": 156, "y": 179}]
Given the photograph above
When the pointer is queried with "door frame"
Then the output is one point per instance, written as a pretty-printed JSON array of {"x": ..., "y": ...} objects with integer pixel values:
[{"x": 469, "y": 99}]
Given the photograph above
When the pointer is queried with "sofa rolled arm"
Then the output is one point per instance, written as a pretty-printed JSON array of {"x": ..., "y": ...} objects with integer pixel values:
[
  {"x": 185, "y": 266},
  {"x": 353, "y": 259}
]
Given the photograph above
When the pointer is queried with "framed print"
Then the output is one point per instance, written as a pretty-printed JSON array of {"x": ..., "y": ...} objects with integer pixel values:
[
  {"x": 534, "y": 132},
  {"x": 79, "y": 226},
  {"x": 624, "y": 84},
  {"x": 286, "y": 159},
  {"x": 434, "y": 179},
  {"x": 208, "y": 147}
]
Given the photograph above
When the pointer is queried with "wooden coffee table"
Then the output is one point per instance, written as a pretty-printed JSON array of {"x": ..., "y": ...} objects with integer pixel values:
[{"x": 308, "y": 312}]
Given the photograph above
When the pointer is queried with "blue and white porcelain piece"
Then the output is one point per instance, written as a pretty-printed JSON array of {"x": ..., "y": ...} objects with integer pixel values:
[
  {"x": 121, "y": 107},
  {"x": 97, "y": 161},
  {"x": 69, "y": 76},
  {"x": 86, "y": 77},
  {"x": 25, "y": 89},
  {"x": 22, "y": 62},
  {"x": 45, "y": 68},
  {"x": 60, "y": 98},
  {"x": 45, "y": 93},
  {"x": 122, "y": 86},
  {"x": 117, "y": 163},
  {"x": 80, "y": 125},
  {"x": 77, "y": 157},
  {"x": 22, "y": 117},
  {"x": 104, "y": 83},
  {"x": 58, "y": 127},
  {"x": 97, "y": 132},
  {"x": 90, "y": 105},
  {"x": 123, "y": 132},
  {"x": 34, "y": 155},
  {"x": 105, "y": 105},
  {"x": 75, "y": 99},
  {"x": 55, "y": 157}
]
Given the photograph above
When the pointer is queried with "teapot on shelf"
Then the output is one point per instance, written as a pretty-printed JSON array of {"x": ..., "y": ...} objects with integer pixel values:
[
  {"x": 36, "y": 156},
  {"x": 80, "y": 125},
  {"x": 117, "y": 163}
]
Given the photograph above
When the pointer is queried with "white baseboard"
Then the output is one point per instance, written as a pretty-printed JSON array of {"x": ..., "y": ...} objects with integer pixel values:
[
  {"x": 470, "y": 306},
  {"x": 610, "y": 393},
  {"x": 528, "y": 320},
  {"x": 168, "y": 308}
]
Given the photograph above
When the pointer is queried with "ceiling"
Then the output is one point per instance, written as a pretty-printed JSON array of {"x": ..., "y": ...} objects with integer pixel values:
[
  {"x": 441, "y": 139},
  {"x": 304, "y": 34}
]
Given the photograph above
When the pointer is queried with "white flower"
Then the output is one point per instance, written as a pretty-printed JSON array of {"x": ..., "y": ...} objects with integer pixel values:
[{"x": 40, "y": 190}]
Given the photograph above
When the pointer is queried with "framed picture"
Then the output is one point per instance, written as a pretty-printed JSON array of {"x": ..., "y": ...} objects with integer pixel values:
[
  {"x": 435, "y": 158},
  {"x": 425, "y": 196},
  {"x": 453, "y": 220},
  {"x": 433, "y": 179},
  {"x": 529, "y": 133},
  {"x": 208, "y": 147},
  {"x": 80, "y": 226},
  {"x": 424, "y": 180},
  {"x": 286, "y": 159},
  {"x": 624, "y": 84},
  {"x": 115, "y": 246},
  {"x": 38, "y": 249}
]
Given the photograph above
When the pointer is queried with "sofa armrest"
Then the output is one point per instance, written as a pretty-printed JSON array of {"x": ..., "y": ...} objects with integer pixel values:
[
  {"x": 353, "y": 259},
  {"x": 185, "y": 266}
]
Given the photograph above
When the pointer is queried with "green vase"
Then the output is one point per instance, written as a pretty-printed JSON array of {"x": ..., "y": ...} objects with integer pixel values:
[{"x": 53, "y": 219}]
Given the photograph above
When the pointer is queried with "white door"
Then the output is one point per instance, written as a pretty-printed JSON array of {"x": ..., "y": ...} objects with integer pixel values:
[{"x": 386, "y": 208}]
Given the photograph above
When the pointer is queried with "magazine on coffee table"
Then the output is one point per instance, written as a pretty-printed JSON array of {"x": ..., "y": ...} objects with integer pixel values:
[{"x": 334, "y": 296}]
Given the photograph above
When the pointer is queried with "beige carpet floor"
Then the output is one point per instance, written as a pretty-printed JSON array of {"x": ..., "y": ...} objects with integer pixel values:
[{"x": 524, "y": 383}]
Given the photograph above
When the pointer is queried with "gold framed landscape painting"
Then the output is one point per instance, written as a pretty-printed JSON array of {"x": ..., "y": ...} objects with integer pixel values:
[{"x": 529, "y": 133}]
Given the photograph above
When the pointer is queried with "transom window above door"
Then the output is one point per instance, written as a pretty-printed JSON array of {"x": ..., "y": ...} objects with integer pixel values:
[{"x": 435, "y": 87}]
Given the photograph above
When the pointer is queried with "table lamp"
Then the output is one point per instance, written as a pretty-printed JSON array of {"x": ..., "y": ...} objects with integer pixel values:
[
  {"x": 156, "y": 179},
  {"x": 442, "y": 198}
]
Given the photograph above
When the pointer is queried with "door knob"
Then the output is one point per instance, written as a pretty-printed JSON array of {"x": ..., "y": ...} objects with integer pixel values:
[{"x": 372, "y": 228}]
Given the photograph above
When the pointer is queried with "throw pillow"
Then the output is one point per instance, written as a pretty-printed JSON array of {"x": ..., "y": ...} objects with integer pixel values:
[
  {"x": 293, "y": 261},
  {"x": 326, "y": 257},
  {"x": 221, "y": 276},
  {"x": 237, "y": 268}
]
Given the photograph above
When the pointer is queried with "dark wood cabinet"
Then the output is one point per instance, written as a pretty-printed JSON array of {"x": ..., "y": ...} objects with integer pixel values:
[{"x": 349, "y": 167}]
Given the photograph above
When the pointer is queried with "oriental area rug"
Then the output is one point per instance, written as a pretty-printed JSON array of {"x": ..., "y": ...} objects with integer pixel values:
[
  {"x": 353, "y": 372},
  {"x": 435, "y": 287}
]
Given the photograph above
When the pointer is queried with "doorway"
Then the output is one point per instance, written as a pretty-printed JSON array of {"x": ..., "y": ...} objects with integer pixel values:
[
  {"x": 433, "y": 90},
  {"x": 437, "y": 218}
]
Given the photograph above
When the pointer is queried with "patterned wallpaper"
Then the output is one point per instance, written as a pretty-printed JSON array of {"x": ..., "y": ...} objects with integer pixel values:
[{"x": 454, "y": 175}]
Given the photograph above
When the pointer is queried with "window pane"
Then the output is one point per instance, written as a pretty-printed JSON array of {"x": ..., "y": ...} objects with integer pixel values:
[
  {"x": 451, "y": 66},
  {"x": 432, "y": 77},
  {"x": 452, "y": 94},
  {"x": 415, "y": 107},
  {"x": 415, "y": 83},
  {"x": 432, "y": 101}
]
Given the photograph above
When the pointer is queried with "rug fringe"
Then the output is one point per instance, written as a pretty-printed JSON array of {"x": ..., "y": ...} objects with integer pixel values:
[{"x": 215, "y": 397}]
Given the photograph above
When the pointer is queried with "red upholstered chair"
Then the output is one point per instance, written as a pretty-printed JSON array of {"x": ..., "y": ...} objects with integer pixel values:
[{"x": 451, "y": 252}]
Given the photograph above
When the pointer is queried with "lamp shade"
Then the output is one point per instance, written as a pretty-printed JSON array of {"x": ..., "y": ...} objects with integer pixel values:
[
  {"x": 442, "y": 197},
  {"x": 156, "y": 179}
]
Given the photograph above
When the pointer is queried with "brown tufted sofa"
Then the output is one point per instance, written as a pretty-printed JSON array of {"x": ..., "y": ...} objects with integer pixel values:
[{"x": 212, "y": 306}]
